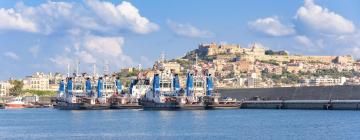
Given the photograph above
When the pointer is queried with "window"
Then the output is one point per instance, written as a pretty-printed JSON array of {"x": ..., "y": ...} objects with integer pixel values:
[
  {"x": 108, "y": 86},
  {"x": 78, "y": 86},
  {"x": 165, "y": 85},
  {"x": 198, "y": 84}
]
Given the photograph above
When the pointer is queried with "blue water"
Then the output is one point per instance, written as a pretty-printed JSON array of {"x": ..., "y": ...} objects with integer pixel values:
[{"x": 52, "y": 124}]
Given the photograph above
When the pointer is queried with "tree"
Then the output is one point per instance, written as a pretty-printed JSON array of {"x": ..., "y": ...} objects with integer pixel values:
[{"x": 16, "y": 90}]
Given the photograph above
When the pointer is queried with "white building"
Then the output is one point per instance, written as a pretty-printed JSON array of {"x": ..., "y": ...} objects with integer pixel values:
[
  {"x": 323, "y": 81},
  {"x": 41, "y": 81},
  {"x": 4, "y": 88}
]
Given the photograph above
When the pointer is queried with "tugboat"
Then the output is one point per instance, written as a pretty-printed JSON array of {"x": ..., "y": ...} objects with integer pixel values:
[
  {"x": 137, "y": 90},
  {"x": 212, "y": 99},
  {"x": 70, "y": 97},
  {"x": 96, "y": 99},
  {"x": 194, "y": 93},
  {"x": 105, "y": 89},
  {"x": 161, "y": 96}
]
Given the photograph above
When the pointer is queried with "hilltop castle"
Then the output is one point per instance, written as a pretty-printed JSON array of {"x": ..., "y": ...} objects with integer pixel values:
[{"x": 256, "y": 52}]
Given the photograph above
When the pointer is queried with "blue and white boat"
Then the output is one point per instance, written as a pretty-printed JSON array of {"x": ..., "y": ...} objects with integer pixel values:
[{"x": 162, "y": 94}]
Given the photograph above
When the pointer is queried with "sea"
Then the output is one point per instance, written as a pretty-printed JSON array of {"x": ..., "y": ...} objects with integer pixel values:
[{"x": 237, "y": 124}]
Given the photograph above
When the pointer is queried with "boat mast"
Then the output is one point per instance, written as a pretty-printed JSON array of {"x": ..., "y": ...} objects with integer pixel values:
[
  {"x": 94, "y": 70},
  {"x": 68, "y": 70},
  {"x": 77, "y": 67},
  {"x": 106, "y": 68}
]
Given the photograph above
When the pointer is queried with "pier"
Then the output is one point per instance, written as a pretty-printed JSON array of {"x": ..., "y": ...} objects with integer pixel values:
[{"x": 302, "y": 104}]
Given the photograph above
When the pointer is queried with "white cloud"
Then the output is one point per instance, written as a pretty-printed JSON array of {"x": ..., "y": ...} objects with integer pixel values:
[
  {"x": 189, "y": 30},
  {"x": 11, "y": 20},
  {"x": 303, "y": 40},
  {"x": 271, "y": 26},
  {"x": 85, "y": 57},
  {"x": 34, "y": 50},
  {"x": 107, "y": 46},
  {"x": 62, "y": 61},
  {"x": 12, "y": 55},
  {"x": 94, "y": 15},
  {"x": 124, "y": 15},
  {"x": 323, "y": 20},
  {"x": 90, "y": 49}
]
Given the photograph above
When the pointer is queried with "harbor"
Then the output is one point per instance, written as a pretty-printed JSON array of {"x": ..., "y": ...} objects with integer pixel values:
[{"x": 245, "y": 104}]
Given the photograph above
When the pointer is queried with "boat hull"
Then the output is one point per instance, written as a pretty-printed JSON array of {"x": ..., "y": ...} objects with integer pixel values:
[
  {"x": 70, "y": 106},
  {"x": 223, "y": 106},
  {"x": 126, "y": 106},
  {"x": 96, "y": 106},
  {"x": 193, "y": 106},
  {"x": 148, "y": 105},
  {"x": 15, "y": 105}
]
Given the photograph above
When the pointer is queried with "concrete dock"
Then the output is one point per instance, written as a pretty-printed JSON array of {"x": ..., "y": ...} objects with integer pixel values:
[{"x": 302, "y": 104}]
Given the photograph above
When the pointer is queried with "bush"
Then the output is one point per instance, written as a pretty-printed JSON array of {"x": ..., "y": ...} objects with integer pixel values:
[{"x": 41, "y": 92}]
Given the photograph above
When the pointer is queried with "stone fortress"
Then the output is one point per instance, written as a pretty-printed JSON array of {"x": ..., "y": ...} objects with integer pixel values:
[{"x": 256, "y": 52}]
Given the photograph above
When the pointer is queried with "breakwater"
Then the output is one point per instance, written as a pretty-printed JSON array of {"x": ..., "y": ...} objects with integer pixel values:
[
  {"x": 295, "y": 93},
  {"x": 302, "y": 104}
]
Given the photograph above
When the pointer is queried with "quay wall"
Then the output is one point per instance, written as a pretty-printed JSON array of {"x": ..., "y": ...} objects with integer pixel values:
[{"x": 295, "y": 93}]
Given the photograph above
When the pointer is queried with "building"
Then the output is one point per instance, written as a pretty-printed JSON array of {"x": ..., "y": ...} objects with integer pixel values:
[
  {"x": 168, "y": 65},
  {"x": 127, "y": 70},
  {"x": 255, "y": 50},
  {"x": 42, "y": 81},
  {"x": 323, "y": 81},
  {"x": 226, "y": 49},
  {"x": 4, "y": 88},
  {"x": 214, "y": 49},
  {"x": 244, "y": 66},
  {"x": 294, "y": 67}
]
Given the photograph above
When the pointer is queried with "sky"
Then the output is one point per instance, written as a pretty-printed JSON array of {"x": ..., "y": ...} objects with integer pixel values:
[{"x": 46, "y": 36}]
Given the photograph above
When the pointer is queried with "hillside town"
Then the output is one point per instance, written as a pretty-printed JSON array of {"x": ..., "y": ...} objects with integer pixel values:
[{"x": 232, "y": 65}]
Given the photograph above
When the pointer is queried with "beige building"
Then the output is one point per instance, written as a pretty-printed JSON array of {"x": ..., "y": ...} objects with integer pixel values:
[
  {"x": 4, "y": 88},
  {"x": 214, "y": 49},
  {"x": 306, "y": 59},
  {"x": 244, "y": 66},
  {"x": 173, "y": 66},
  {"x": 41, "y": 81},
  {"x": 295, "y": 67}
]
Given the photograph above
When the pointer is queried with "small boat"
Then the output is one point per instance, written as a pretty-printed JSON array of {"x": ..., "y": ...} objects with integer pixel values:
[{"x": 16, "y": 102}]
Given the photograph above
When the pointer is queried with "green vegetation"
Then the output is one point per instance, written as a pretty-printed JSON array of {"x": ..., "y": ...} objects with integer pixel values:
[
  {"x": 40, "y": 92},
  {"x": 271, "y": 52},
  {"x": 135, "y": 72},
  {"x": 185, "y": 64},
  {"x": 16, "y": 90},
  {"x": 273, "y": 62},
  {"x": 335, "y": 73},
  {"x": 285, "y": 77}
]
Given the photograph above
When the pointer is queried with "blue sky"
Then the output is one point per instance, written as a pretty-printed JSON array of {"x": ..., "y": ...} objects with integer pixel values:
[{"x": 42, "y": 35}]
